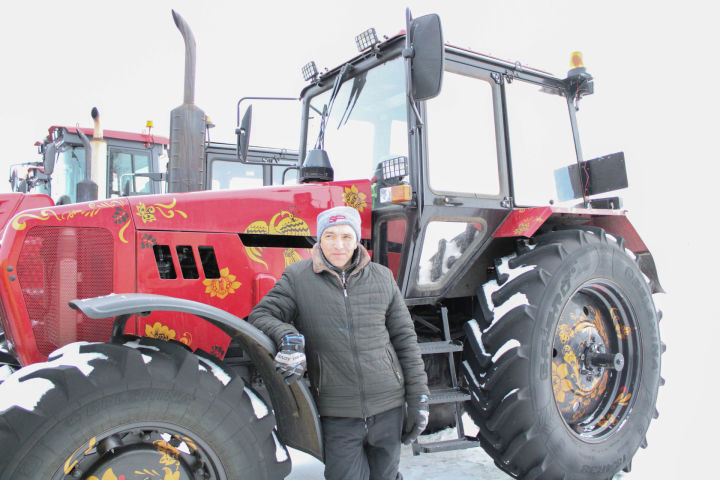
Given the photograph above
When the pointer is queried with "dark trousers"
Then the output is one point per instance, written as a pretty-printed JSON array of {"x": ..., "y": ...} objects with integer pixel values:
[{"x": 357, "y": 449}]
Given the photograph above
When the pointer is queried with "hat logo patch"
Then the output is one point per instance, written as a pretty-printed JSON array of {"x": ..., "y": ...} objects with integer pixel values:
[{"x": 336, "y": 218}]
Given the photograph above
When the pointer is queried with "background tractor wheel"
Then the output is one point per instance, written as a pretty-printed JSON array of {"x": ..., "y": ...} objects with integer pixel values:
[
  {"x": 147, "y": 407},
  {"x": 565, "y": 372}
]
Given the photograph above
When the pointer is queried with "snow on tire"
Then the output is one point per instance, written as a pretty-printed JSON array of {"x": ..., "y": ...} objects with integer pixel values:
[
  {"x": 564, "y": 369},
  {"x": 147, "y": 407}
]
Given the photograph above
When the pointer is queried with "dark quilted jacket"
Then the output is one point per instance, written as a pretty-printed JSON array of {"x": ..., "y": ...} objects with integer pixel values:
[{"x": 361, "y": 348}]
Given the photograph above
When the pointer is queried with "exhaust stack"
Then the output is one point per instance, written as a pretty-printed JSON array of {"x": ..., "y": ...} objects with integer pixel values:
[
  {"x": 187, "y": 126},
  {"x": 98, "y": 164}
]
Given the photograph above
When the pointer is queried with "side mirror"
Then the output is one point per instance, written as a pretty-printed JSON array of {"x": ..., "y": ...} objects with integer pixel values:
[
  {"x": 425, "y": 41},
  {"x": 243, "y": 135},
  {"x": 49, "y": 158}
]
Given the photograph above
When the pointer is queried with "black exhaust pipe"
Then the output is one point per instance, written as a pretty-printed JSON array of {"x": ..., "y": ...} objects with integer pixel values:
[{"x": 187, "y": 126}]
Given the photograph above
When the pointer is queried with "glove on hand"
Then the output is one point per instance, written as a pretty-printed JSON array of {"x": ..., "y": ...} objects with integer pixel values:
[
  {"x": 290, "y": 359},
  {"x": 418, "y": 413}
]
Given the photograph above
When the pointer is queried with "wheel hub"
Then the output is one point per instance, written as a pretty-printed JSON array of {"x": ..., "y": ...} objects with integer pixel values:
[
  {"x": 127, "y": 453},
  {"x": 590, "y": 377}
]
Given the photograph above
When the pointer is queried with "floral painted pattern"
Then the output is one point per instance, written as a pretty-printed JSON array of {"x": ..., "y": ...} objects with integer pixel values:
[
  {"x": 159, "y": 331},
  {"x": 561, "y": 384},
  {"x": 223, "y": 286},
  {"x": 148, "y": 213},
  {"x": 355, "y": 198},
  {"x": 282, "y": 223}
]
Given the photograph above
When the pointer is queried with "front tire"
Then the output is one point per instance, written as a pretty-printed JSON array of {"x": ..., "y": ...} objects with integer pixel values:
[
  {"x": 551, "y": 396},
  {"x": 148, "y": 407}
]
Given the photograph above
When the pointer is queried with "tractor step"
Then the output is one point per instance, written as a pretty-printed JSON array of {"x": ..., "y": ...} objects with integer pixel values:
[
  {"x": 448, "y": 395},
  {"x": 428, "y": 348},
  {"x": 444, "y": 446}
]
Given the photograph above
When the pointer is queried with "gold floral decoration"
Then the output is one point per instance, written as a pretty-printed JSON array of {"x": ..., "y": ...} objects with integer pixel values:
[
  {"x": 561, "y": 384},
  {"x": 282, "y": 223},
  {"x": 148, "y": 212},
  {"x": 223, "y": 286},
  {"x": 355, "y": 198},
  {"x": 159, "y": 331},
  {"x": 108, "y": 475}
]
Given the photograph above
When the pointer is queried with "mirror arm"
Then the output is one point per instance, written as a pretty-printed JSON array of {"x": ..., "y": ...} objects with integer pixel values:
[{"x": 408, "y": 53}]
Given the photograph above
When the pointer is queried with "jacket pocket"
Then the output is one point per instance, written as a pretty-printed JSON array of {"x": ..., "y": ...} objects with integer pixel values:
[
  {"x": 394, "y": 366},
  {"x": 317, "y": 373}
]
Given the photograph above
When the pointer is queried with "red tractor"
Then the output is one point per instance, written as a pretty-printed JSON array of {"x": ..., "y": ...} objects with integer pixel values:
[{"x": 530, "y": 289}]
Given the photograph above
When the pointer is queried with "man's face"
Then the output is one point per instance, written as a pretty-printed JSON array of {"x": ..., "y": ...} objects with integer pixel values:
[{"x": 338, "y": 244}]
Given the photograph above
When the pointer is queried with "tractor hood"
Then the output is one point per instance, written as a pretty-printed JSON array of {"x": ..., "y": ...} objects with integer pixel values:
[{"x": 277, "y": 210}]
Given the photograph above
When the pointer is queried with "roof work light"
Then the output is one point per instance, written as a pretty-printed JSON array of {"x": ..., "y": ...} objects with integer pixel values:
[
  {"x": 366, "y": 39},
  {"x": 309, "y": 71}
]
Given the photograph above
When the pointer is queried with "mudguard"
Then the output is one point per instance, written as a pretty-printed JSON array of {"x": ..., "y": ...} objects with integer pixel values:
[{"x": 295, "y": 410}]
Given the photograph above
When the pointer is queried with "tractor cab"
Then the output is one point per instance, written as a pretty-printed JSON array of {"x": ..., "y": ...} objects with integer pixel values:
[
  {"x": 451, "y": 142},
  {"x": 125, "y": 164}
]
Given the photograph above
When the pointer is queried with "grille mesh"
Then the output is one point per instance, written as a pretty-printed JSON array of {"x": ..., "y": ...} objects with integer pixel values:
[{"x": 59, "y": 264}]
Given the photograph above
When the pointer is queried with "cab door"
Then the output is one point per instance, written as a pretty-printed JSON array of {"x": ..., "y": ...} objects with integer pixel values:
[
  {"x": 464, "y": 181},
  {"x": 123, "y": 165}
]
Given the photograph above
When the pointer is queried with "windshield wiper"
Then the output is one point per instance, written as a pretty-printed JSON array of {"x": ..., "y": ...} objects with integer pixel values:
[
  {"x": 320, "y": 143},
  {"x": 358, "y": 85}
]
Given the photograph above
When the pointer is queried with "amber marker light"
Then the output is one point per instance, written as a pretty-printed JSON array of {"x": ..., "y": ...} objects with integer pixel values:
[{"x": 576, "y": 60}]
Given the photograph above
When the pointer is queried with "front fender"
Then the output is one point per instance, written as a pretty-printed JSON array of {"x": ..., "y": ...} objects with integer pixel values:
[{"x": 295, "y": 410}]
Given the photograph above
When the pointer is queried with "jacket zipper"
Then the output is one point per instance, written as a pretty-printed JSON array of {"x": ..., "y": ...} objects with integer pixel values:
[{"x": 356, "y": 357}]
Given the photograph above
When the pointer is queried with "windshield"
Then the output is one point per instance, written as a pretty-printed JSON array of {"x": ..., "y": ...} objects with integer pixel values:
[
  {"x": 69, "y": 171},
  {"x": 367, "y": 123}
]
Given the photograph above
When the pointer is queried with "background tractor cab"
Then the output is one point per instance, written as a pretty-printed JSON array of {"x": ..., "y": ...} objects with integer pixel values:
[
  {"x": 127, "y": 164},
  {"x": 81, "y": 164}
]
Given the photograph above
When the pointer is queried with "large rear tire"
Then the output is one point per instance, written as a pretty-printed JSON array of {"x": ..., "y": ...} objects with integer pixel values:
[
  {"x": 147, "y": 408},
  {"x": 551, "y": 396}
]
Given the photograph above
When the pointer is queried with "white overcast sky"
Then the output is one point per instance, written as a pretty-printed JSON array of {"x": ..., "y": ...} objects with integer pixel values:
[{"x": 655, "y": 67}]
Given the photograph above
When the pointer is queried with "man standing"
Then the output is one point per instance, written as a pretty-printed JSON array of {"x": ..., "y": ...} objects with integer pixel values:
[{"x": 364, "y": 364}]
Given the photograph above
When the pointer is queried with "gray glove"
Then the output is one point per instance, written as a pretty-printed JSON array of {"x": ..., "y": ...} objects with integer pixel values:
[
  {"x": 290, "y": 359},
  {"x": 418, "y": 413}
]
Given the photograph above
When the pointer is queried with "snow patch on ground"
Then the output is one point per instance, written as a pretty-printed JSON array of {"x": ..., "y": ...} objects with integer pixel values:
[
  {"x": 26, "y": 394},
  {"x": 5, "y": 372},
  {"x": 261, "y": 410},
  {"x": 146, "y": 358},
  {"x": 281, "y": 454},
  {"x": 218, "y": 372}
]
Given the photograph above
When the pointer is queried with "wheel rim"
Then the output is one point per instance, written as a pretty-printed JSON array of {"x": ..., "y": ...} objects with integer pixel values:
[
  {"x": 155, "y": 449},
  {"x": 594, "y": 387}
]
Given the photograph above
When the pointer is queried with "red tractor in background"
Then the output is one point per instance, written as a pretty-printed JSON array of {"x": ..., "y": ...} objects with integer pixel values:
[{"x": 530, "y": 289}]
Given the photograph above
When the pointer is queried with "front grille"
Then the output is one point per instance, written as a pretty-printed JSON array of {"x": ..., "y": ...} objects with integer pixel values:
[{"x": 59, "y": 264}]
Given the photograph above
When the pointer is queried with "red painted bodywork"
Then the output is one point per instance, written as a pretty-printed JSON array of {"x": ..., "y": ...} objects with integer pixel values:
[
  {"x": 133, "y": 137},
  {"x": 524, "y": 222},
  {"x": 11, "y": 203},
  {"x": 209, "y": 218}
]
